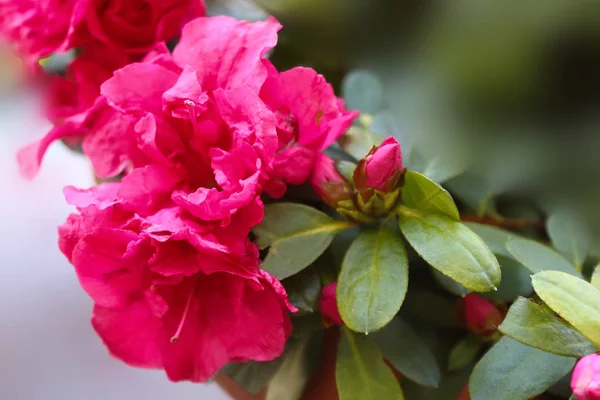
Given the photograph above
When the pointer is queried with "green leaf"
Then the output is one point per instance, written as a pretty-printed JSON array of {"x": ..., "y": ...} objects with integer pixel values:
[
  {"x": 574, "y": 299},
  {"x": 569, "y": 236},
  {"x": 421, "y": 193},
  {"x": 304, "y": 289},
  {"x": 538, "y": 327},
  {"x": 537, "y": 257},
  {"x": 293, "y": 374},
  {"x": 495, "y": 238},
  {"x": 512, "y": 371},
  {"x": 297, "y": 235},
  {"x": 573, "y": 397},
  {"x": 358, "y": 142},
  {"x": 464, "y": 352},
  {"x": 516, "y": 281},
  {"x": 362, "y": 91},
  {"x": 451, "y": 247},
  {"x": 386, "y": 124},
  {"x": 405, "y": 350},
  {"x": 252, "y": 376},
  {"x": 449, "y": 284},
  {"x": 373, "y": 280},
  {"x": 435, "y": 168},
  {"x": 596, "y": 278},
  {"x": 360, "y": 371}
]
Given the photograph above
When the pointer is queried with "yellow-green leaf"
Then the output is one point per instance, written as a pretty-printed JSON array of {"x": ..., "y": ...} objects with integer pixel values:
[{"x": 422, "y": 193}]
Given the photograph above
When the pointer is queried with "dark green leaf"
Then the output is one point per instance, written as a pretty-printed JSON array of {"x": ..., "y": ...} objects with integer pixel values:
[
  {"x": 386, "y": 124},
  {"x": 464, "y": 352},
  {"x": 297, "y": 235},
  {"x": 537, "y": 257},
  {"x": 403, "y": 348},
  {"x": 362, "y": 91},
  {"x": 569, "y": 236},
  {"x": 373, "y": 280},
  {"x": 421, "y": 193},
  {"x": 512, "y": 371},
  {"x": 451, "y": 247},
  {"x": 538, "y": 327},
  {"x": 304, "y": 288},
  {"x": 361, "y": 372},
  {"x": 451, "y": 386},
  {"x": 516, "y": 281},
  {"x": 450, "y": 285},
  {"x": 293, "y": 374},
  {"x": 432, "y": 308},
  {"x": 252, "y": 376},
  {"x": 574, "y": 299},
  {"x": 495, "y": 238}
]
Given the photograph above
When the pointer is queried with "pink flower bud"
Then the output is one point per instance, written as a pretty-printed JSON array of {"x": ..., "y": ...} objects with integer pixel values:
[
  {"x": 328, "y": 183},
  {"x": 586, "y": 378},
  {"x": 328, "y": 305},
  {"x": 481, "y": 316},
  {"x": 381, "y": 168}
]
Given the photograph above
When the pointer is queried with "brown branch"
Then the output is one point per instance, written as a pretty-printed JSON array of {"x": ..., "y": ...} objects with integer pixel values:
[{"x": 504, "y": 223}]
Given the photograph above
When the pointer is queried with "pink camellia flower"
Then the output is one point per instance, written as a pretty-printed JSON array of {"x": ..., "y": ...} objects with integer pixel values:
[
  {"x": 309, "y": 119},
  {"x": 328, "y": 305},
  {"x": 130, "y": 26},
  {"x": 165, "y": 253},
  {"x": 585, "y": 382},
  {"x": 480, "y": 315},
  {"x": 381, "y": 168}
]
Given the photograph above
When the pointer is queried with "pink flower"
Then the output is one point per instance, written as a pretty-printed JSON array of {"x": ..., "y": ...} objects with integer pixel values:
[
  {"x": 171, "y": 292},
  {"x": 328, "y": 183},
  {"x": 381, "y": 168},
  {"x": 481, "y": 316},
  {"x": 37, "y": 28},
  {"x": 130, "y": 26},
  {"x": 309, "y": 119},
  {"x": 585, "y": 382},
  {"x": 165, "y": 253},
  {"x": 328, "y": 305}
]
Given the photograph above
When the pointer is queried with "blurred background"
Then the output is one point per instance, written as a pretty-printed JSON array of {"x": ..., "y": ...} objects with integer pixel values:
[{"x": 496, "y": 99}]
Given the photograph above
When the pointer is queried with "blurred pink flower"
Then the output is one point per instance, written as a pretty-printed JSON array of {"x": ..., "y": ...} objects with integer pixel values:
[
  {"x": 328, "y": 183},
  {"x": 480, "y": 315},
  {"x": 585, "y": 382}
]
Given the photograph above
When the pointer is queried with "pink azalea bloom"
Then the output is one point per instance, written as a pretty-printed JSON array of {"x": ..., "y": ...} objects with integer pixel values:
[
  {"x": 169, "y": 292},
  {"x": 37, "y": 28},
  {"x": 328, "y": 305},
  {"x": 585, "y": 382},
  {"x": 309, "y": 119},
  {"x": 381, "y": 168}
]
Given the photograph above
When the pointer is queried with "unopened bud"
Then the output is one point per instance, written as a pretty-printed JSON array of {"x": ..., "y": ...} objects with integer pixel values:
[
  {"x": 585, "y": 382},
  {"x": 480, "y": 315}
]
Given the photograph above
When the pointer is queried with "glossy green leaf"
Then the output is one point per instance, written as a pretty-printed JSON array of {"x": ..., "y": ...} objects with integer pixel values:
[
  {"x": 358, "y": 142},
  {"x": 373, "y": 280},
  {"x": 451, "y": 247},
  {"x": 537, "y": 257},
  {"x": 569, "y": 236},
  {"x": 464, "y": 352},
  {"x": 574, "y": 299},
  {"x": 495, "y": 238},
  {"x": 512, "y": 371},
  {"x": 405, "y": 350},
  {"x": 516, "y": 281},
  {"x": 596, "y": 278},
  {"x": 362, "y": 91},
  {"x": 421, "y": 193},
  {"x": 537, "y": 326},
  {"x": 360, "y": 371},
  {"x": 297, "y": 235},
  {"x": 449, "y": 284}
]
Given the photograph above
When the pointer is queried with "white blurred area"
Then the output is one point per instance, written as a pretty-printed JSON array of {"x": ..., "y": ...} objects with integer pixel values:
[{"x": 48, "y": 349}]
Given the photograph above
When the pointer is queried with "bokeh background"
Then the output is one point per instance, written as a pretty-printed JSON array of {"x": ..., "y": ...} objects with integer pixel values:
[{"x": 498, "y": 100}]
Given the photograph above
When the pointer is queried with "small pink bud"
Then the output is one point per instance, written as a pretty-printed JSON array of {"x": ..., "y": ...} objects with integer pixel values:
[
  {"x": 586, "y": 378},
  {"x": 381, "y": 168},
  {"x": 328, "y": 183},
  {"x": 328, "y": 305},
  {"x": 480, "y": 315}
]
